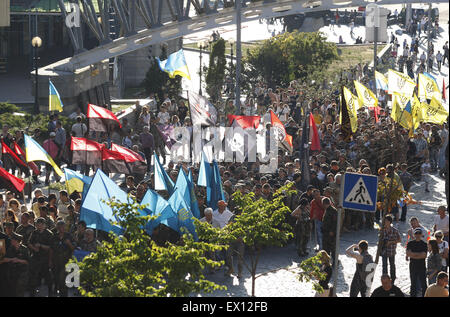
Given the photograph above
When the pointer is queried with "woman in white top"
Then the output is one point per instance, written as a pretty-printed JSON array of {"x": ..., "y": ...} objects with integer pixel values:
[
  {"x": 163, "y": 116},
  {"x": 285, "y": 113},
  {"x": 144, "y": 118}
]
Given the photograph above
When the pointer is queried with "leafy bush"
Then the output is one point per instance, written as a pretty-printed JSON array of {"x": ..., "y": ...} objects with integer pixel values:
[
  {"x": 6, "y": 107},
  {"x": 290, "y": 56}
]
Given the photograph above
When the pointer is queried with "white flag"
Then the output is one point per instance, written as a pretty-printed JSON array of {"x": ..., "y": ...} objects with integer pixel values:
[{"x": 202, "y": 111}]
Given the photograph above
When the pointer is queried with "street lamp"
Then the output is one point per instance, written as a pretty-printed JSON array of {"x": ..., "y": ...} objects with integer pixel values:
[
  {"x": 201, "y": 45},
  {"x": 36, "y": 42},
  {"x": 231, "y": 44}
]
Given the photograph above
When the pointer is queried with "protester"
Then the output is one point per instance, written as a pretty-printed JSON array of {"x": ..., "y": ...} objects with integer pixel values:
[
  {"x": 387, "y": 288},
  {"x": 416, "y": 251},
  {"x": 363, "y": 258},
  {"x": 438, "y": 289}
]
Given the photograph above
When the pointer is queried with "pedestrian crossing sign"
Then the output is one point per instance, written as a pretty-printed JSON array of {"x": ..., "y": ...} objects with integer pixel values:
[{"x": 359, "y": 192}]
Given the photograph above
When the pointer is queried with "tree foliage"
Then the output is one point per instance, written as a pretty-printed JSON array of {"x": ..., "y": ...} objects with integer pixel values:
[
  {"x": 134, "y": 265},
  {"x": 259, "y": 223},
  {"x": 310, "y": 272},
  {"x": 215, "y": 73},
  {"x": 158, "y": 81},
  {"x": 290, "y": 56}
]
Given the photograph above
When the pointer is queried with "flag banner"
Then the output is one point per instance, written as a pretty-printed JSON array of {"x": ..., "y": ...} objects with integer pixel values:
[
  {"x": 443, "y": 90},
  {"x": 352, "y": 105},
  {"x": 202, "y": 111},
  {"x": 246, "y": 122},
  {"x": 381, "y": 81},
  {"x": 155, "y": 205},
  {"x": 304, "y": 152},
  {"x": 114, "y": 162},
  {"x": 136, "y": 163},
  {"x": 86, "y": 151},
  {"x": 204, "y": 173},
  {"x": 400, "y": 83},
  {"x": 54, "y": 100},
  {"x": 366, "y": 97},
  {"x": 314, "y": 137},
  {"x": 344, "y": 118},
  {"x": 184, "y": 215},
  {"x": 284, "y": 139},
  {"x": 95, "y": 211},
  {"x": 162, "y": 180},
  {"x": 10, "y": 182},
  {"x": 175, "y": 64},
  {"x": 428, "y": 88},
  {"x": 184, "y": 187},
  {"x": 215, "y": 192},
  {"x": 434, "y": 112},
  {"x": 21, "y": 154},
  {"x": 101, "y": 119},
  {"x": 7, "y": 152},
  {"x": 35, "y": 152},
  {"x": 417, "y": 116},
  {"x": 166, "y": 130},
  {"x": 76, "y": 181},
  {"x": 402, "y": 111}
]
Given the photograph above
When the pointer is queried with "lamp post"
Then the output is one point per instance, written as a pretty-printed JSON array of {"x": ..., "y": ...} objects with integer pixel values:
[
  {"x": 231, "y": 50},
  {"x": 201, "y": 45},
  {"x": 36, "y": 42}
]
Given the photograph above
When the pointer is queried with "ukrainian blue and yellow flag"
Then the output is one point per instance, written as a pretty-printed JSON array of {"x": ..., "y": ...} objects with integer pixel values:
[
  {"x": 174, "y": 65},
  {"x": 76, "y": 181},
  {"x": 35, "y": 152},
  {"x": 54, "y": 100}
]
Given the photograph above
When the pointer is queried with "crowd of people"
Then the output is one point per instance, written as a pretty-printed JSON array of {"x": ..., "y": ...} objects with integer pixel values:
[{"x": 39, "y": 239}]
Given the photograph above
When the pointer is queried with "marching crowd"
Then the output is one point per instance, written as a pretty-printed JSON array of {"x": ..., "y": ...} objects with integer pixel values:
[{"x": 37, "y": 240}]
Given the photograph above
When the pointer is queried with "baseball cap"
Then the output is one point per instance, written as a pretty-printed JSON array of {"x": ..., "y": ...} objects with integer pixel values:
[
  {"x": 417, "y": 231},
  {"x": 52, "y": 134}
]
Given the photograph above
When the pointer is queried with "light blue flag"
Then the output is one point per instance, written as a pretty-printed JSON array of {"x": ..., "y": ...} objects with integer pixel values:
[
  {"x": 186, "y": 189},
  {"x": 175, "y": 64},
  {"x": 184, "y": 215},
  {"x": 191, "y": 179},
  {"x": 97, "y": 213},
  {"x": 216, "y": 192},
  {"x": 162, "y": 180},
  {"x": 156, "y": 206},
  {"x": 204, "y": 173}
]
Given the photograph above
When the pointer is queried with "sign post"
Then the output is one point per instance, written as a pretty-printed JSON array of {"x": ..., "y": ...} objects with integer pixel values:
[{"x": 358, "y": 192}]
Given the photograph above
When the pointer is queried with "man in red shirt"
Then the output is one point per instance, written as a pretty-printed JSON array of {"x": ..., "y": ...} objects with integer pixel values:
[{"x": 316, "y": 214}]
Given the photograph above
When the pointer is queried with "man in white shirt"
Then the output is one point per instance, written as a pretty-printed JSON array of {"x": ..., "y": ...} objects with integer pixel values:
[
  {"x": 209, "y": 218},
  {"x": 79, "y": 129},
  {"x": 441, "y": 222},
  {"x": 222, "y": 214}
]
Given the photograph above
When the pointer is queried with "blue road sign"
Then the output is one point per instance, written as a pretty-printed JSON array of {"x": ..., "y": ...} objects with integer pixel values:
[{"x": 359, "y": 192}]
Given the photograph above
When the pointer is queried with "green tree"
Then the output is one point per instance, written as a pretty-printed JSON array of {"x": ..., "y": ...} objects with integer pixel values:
[
  {"x": 134, "y": 265},
  {"x": 290, "y": 56},
  {"x": 260, "y": 224},
  {"x": 310, "y": 272},
  {"x": 215, "y": 74},
  {"x": 159, "y": 82}
]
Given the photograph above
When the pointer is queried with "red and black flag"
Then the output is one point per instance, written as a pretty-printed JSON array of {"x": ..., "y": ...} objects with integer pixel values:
[
  {"x": 10, "y": 182},
  {"x": 11, "y": 157},
  {"x": 101, "y": 119},
  {"x": 21, "y": 154},
  {"x": 114, "y": 162},
  {"x": 346, "y": 126},
  {"x": 85, "y": 151},
  {"x": 136, "y": 163}
]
